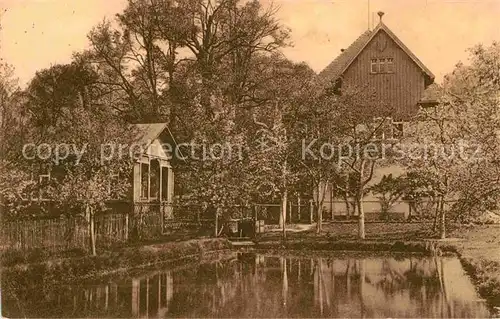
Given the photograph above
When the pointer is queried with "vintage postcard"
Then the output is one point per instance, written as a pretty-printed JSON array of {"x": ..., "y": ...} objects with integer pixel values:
[{"x": 250, "y": 158}]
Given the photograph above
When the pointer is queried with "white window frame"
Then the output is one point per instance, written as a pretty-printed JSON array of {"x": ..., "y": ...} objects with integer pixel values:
[
  {"x": 374, "y": 63},
  {"x": 381, "y": 65},
  {"x": 389, "y": 62}
]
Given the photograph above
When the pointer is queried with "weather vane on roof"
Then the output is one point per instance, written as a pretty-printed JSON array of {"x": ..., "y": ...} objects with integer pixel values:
[{"x": 380, "y": 14}]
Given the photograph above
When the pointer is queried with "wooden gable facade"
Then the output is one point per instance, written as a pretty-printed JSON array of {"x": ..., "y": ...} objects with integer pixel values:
[{"x": 381, "y": 63}]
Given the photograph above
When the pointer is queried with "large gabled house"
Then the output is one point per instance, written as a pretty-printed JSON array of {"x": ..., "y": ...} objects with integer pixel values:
[
  {"x": 378, "y": 59},
  {"x": 380, "y": 62}
]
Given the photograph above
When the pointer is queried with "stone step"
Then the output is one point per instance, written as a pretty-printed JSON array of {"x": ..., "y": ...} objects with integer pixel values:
[{"x": 242, "y": 243}]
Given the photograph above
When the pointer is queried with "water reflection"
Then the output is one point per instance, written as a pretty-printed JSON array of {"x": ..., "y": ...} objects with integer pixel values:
[{"x": 254, "y": 285}]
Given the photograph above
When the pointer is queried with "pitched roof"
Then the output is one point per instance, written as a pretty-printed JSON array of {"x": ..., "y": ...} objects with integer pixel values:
[
  {"x": 146, "y": 133},
  {"x": 335, "y": 69},
  {"x": 382, "y": 26},
  {"x": 341, "y": 62}
]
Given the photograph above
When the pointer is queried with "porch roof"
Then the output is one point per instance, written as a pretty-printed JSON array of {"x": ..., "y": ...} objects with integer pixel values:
[{"x": 146, "y": 133}]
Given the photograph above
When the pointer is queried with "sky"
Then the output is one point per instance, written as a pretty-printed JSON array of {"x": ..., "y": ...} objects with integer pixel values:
[{"x": 38, "y": 33}]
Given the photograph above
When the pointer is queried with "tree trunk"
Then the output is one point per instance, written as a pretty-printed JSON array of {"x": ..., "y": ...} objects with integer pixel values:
[
  {"x": 442, "y": 223},
  {"x": 347, "y": 207},
  {"x": 360, "y": 194},
  {"x": 330, "y": 191},
  {"x": 410, "y": 211},
  {"x": 281, "y": 217},
  {"x": 319, "y": 204},
  {"x": 298, "y": 210},
  {"x": 346, "y": 197},
  {"x": 92, "y": 231},
  {"x": 283, "y": 212},
  {"x": 311, "y": 212},
  {"x": 319, "y": 223},
  {"x": 436, "y": 214},
  {"x": 361, "y": 217}
]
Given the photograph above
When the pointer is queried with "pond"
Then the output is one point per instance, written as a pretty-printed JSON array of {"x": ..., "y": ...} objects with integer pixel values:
[{"x": 267, "y": 285}]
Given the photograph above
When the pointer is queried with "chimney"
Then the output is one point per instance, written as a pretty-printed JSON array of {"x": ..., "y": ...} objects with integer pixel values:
[{"x": 380, "y": 14}]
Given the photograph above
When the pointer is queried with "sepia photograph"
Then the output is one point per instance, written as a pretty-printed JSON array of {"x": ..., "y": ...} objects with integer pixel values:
[{"x": 249, "y": 159}]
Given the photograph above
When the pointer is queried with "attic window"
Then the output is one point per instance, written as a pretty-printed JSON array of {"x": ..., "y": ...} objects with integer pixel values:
[
  {"x": 390, "y": 65},
  {"x": 382, "y": 65},
  {"x": 374, "y": 66}
]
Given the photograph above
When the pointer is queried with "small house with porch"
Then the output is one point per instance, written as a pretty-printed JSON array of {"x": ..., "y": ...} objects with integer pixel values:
[
  {"x": 141, "y": 212},
  {"x": 153, "y": 177},
  {"x": 152, "y": 190}
]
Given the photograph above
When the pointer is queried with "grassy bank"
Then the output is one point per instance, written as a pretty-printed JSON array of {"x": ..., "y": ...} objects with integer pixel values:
[
  {"x": 479, "y": 253},
  {"x": 411, "y": 246},
  {"x": 78, "y": 268}
]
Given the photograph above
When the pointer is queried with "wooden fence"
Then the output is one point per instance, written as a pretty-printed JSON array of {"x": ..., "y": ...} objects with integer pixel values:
[
  {"x": 304, "y": 213},
  {"x": 120, "y": 224},
  {"x": 307, "y": 212},
  {"x": 52, "y": 234},
  {"x": 64, "y": 233},
  {"x": 146, "y": 221},
  {"x": 111, "y": 229}
]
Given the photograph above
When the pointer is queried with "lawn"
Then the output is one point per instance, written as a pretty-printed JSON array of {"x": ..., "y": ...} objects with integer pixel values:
[
  {"x": 373, "y": 230},
  {"x": 480, "y": 242}
]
